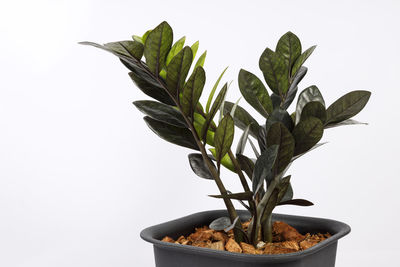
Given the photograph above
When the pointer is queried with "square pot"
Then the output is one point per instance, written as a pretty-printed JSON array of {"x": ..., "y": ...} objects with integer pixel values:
[{"x": 176, "y": 255}]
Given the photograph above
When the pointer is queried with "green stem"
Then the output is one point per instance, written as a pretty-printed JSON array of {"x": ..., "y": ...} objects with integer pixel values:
[{"x": 267, "y": 229}]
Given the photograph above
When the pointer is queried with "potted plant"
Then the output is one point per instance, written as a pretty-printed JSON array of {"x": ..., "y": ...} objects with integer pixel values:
[{"x": 169, "y": 75}]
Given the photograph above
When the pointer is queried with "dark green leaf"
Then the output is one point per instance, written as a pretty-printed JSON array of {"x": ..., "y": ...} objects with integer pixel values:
[
  {"x": 242, "y": 141},
  {"x": 220, "y": 223},
  {"x": 291, "y": 94},
  {"x": 236, "y": 196},
  {"x": 192, "y": 91},
  {"x": 314, "y": 109},
  {"x": 175, "y": 49},
  {"x": 289, "y": 193},
  {"x": 161, "y": 112},
  {"x": 283, "y": 187},
  {"x": 123, "y": 49},
  {"x": 263, "y": 166},
  {"x": 223, "y": 137},
  {"x": 176, "y": 135},
  {"x": 242, "y": 118},
  {"x": 314, "y": 147},
  {"x": 215, "y": 107},
  {"x": 302, "y": 58},
  {"x": 199, "y": 167},
  {"x": 275, "y": 72},
  {"x": 309, "y": 94},
  {"x": 289, "y": 47},
  {"x": 246, "y": 164},
  {"x": 347, "y": 106},
  {"x": 346, "y": 122},
  {"x": 280, "y": 115},
  {"x": 178, "y": 70},
  {"x": 156, "y": 47},
  {"x": 279, "y": 135},
  {"x": 276, "y": 100},
  {"x": 297, "y": 202},
  {"x": 262, "y": 138},
  {"x": 150, "y": 86},
  {"x": 201, "y": 60},
  {"x": 210, "y": 97},
  {"x": 306, "y": 134},
  {"x": 255, "y": 93}
]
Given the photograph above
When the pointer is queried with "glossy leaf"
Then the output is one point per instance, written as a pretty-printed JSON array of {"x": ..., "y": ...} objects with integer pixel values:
[
  {"x": 201, "y": 60},
  {"x": 262, "y": 138},
  {"x": 130, "y": 51},
  {"x": 176, "y": 135},
  {"x": 289, "y": 47},
  {"x": 178, "y": 70},
  {"x": 199, "y": 167},
  {"x": 156, "y": 47},
  {"x": 347, "y": 106},
  {"x": 192, "y": 91},
  {"x": 195, "y": 47},
  {"x": 225, "y": 161},
  {"x": 346, "y": 122},
  {"x": 275, "y": 71},
  {"x": 151, "y": 87},
  {"x": 314, "y": 109},
  {"x": 233, "y": 224},
  {"x": 175, "y": 49},
  {"x": 246, "y": 164},
  {"x": 223, "y": 137},
  {"x": 263, "y": 166},
  {"x": 242, "y": 141},
  {"x": 144, "y": 36},
  {"x": 215, "y": 107},
  {"x": 291, "y": 94},
  {"x": 314, "y": 147},
  {"x": 242, "y": 118},
  {"x": 210, "y": 97},
  {"x": 220, "y": 223},
  {"x": 279, "y": 135},
  {"x": 280, "y": 115},
  {"x": 235, "y": 196},
  {"x": 302, "y": 58},
  {"x": 288, "y": 194},
  {"x": 309, "y": 94},
  {"x": 296, "y": 202},
  {"x": 255, "y": 93},
  {"x": 161, "y": 112},
  {"x": 306, "y": 134}
]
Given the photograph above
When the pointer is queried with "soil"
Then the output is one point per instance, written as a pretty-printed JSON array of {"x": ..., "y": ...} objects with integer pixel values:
[{"x": 286, "y": 239}]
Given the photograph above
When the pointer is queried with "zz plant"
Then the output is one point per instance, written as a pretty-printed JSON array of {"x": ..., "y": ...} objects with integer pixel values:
[{"x": 169, "y": 75}]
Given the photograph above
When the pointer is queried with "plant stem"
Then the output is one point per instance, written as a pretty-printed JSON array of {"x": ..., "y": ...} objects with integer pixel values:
[{"x": 267, "y": 229}]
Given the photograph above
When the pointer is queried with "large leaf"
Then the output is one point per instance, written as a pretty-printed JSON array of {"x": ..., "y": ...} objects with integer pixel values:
[
  {"x": 123, "y": 49},
  {"x": 178, "y": 70},
  {"x": 279, "y": 135},
  {"x": 220, "y": 223},
  {"x": 291, "y": 94},
  {"x": 214, "y": 108},
  {"x": 246, "y": 164},
  {"x": 223, "y": 137},
  {"x": 263, "y": 167},
  {"x": 301, "y": 59},
  {"x": 306, "y": 134},
  {"x": 309, "y": 94},
  {"x": 175, "y": 49},
  {"x": 156, "y": 47},
  {"x": 255, "y": 93},
  {"x": 199, "y": 167},
  {"x": 347, "y": 106},
  {"x": 242, "y": 118},
  {"x": 314, "y": 109},
  {"x": 161, "y": 112},
  {"x": 343, "y": 123},
  {"x": 150, "y": 86},
  {"x": 176, "y": 135},
  {"x": 280, "y": 115},
  {"x": 235, "y": 196},
  {"x": 192, "y": 91},
  {"x": 289, "y": 47},
  {"x": 275, "y": 71}
]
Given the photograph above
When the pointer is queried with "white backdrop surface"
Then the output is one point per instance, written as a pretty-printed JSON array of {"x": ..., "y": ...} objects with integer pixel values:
[{"x": 81, "y": 174}]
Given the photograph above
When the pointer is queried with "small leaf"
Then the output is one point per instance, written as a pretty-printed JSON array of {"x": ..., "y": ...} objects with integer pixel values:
[
  {"x": 296, "y": 202},
  {"x": 199, "y": 167},
  {"x": 235, "y": 196},
  {"x": 314, "y": 109},
  {"x": 289, "y": 47},
  {"x": 210, "y": 97},
  {"x": 201, "y": 60},
  {"x": 243, "y": 140},
  {"x": 288, "y": 195},
  {"x": 302, "y": 58},
  {"x": 175, "y": 49},
  {"x": 192, "y": 91},
  {"x": 306, "y": 134},
  {"x": 262, "y": 138},
  {"x": 225, "y": 161},
  {"x": 127, "y": 48},
  {"x": 156, "y": 47},
  {"x": 161, "y": 112},
  {"x": 176, "y": 135},
  {"x": 144, "y": 37},
  {"x": 242, "y": 118},
  {"x": 254, "y": 148},
  {"x": 246, "y": 164},
  {"x": 255, "y": 93},
  {"x": 347, "y": 106},
  {"x": 309, "y": 94},
  {"x": 291, "y": 94},
  {"x": 195, "y": 47},
  {"x": 148, "y": 85},
  {"x": 233, "y": 110},
  {"x": 220, "y": 224},
  {"x": 223, "y": 137},
  {"x": 230, "y": 227},
  {"x": 346, "y": 122},
  {"x": 178, "y": 70},
  {"x": 279, "y": 135},
  {"x": 263, "y": 166},
  {"x": 275, "y": 71}
]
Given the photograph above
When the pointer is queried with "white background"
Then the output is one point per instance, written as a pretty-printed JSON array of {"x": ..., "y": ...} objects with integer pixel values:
[{"x": 82, "y": 175}]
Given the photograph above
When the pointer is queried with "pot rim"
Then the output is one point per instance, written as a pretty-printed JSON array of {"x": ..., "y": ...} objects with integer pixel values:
[{"x": 336, "y": 228}]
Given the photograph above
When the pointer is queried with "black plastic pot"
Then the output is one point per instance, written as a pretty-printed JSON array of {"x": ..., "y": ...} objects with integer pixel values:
[{"x": 176, "y": 255}]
